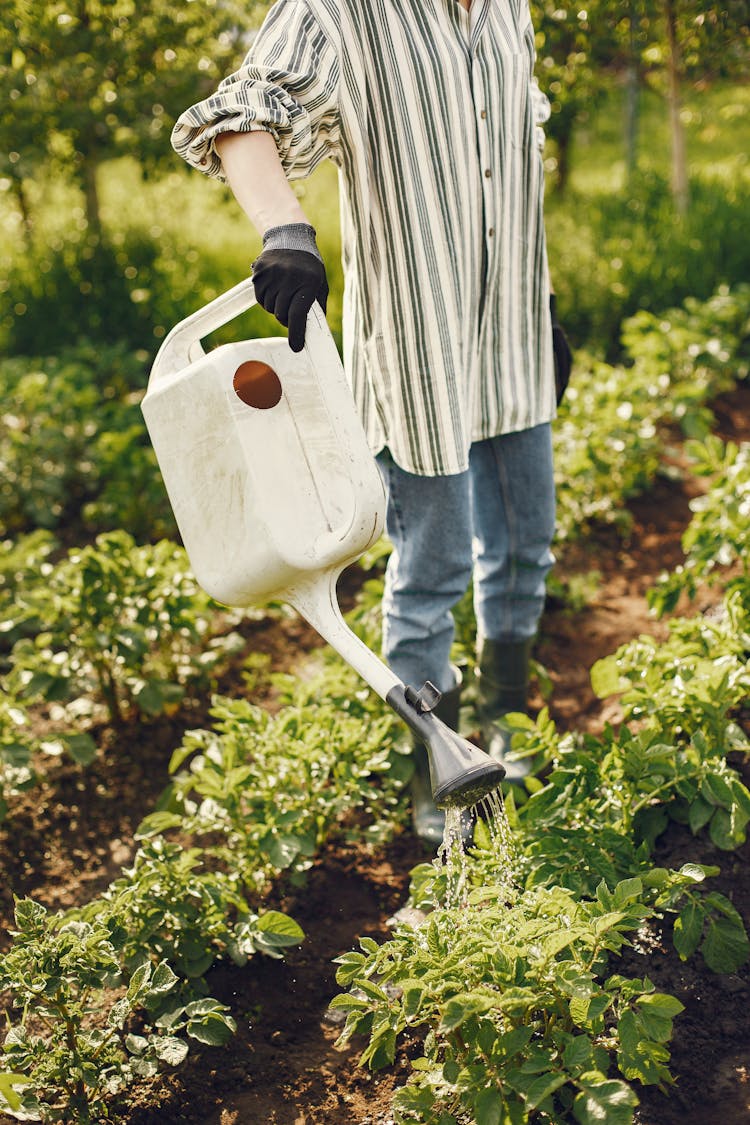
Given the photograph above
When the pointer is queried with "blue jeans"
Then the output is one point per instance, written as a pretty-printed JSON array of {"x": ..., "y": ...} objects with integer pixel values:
[{"x": 495, "y": 523}]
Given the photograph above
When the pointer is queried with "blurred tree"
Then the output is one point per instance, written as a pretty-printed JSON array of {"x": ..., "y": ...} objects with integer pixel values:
[
  {"x": 582, "y": 49},
  {"x": 688, "y": 40},
  {"x": 577, "y": 49},
  {"x": 85, "y": 80}
]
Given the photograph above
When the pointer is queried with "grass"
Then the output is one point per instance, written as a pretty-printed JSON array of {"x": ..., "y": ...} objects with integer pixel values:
[{"x": 717, "y": 127}]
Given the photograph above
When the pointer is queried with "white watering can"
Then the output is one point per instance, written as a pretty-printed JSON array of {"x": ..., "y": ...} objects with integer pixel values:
[{"x": 275, "y": 491}]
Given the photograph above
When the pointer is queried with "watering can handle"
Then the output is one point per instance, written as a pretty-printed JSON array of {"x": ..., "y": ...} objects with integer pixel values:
[{"x": 183, "y": 344}]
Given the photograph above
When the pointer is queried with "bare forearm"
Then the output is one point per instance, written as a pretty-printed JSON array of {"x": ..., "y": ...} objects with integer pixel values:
[{"x": 256, "y": 176}]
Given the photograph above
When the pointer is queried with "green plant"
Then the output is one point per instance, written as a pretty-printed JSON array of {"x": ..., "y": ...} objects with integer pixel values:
[
  {"x": 122, "y": 627},
  {"x": 173, "y": 905},
  {"x": 608, "y": 443},
  {"x": 718, "y": 535},
  {"x": 268, "y": 790},
  {"x": 74, "y": 447},
  {"x": 619, "y": 249},
  {"x": 521, "y": 1019},
  {"x": 687, "y": 687},
  {"x": 71, "y": 1042},
  {"x": 16, "y": 744}
]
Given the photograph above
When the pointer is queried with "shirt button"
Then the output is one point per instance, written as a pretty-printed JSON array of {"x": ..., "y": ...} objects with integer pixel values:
[
  {"x": 483, "y": 114},
  {"x": 491, "y": 232},
  {"x": 487, "y": 173}
]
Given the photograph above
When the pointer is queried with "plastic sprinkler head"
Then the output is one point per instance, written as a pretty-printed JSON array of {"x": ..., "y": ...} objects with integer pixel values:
[{"x": 460, "y": 773}]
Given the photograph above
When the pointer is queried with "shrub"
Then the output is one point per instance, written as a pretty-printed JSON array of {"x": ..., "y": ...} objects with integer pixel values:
[{"x": 74, "y": 448}]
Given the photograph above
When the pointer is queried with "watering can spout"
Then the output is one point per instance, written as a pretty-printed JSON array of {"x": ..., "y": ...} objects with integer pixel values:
[{"x": 460, "y": 773}]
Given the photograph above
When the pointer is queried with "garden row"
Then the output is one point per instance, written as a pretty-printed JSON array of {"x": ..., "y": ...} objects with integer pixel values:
[
  {"x": 511, "y": 983},
  {"x": 75, "y": 454},
  {"x": 114, "y": 627}
]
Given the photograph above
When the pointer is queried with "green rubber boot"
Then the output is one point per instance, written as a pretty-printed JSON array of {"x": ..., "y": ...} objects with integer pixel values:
[
  {"x": 503, "y": 685},
  {"x": 428, "y": 820}
]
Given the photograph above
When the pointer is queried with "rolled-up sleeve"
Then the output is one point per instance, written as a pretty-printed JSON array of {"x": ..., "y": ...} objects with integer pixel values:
[{"x": 287, "y": 86}]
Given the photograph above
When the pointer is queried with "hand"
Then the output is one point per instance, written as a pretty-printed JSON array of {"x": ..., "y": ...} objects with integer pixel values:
[
  {"x": 561, "y": 352},
  {"x": 287, "y": 283}
]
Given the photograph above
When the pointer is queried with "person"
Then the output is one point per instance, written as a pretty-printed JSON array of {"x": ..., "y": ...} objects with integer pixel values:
[{"x": 431, "y": 112}]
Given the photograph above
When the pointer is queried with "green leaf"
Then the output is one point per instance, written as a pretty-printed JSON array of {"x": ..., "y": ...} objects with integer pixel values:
[
  {"x": 163, "y": 980},
  {"x": 136, "y": 1044},
  {"x": 170, "y": 1049},
  {"x": 461, "y": 1008},
  {"x": 653, "y": 1027},
  {"x": 699, "y": 814},
  {"x": 9, "y": 1079},
  {"x": 723, "y": 833},
  {"x": 725, "y": 946},
  {"x": 717, "y": 791},
  {"x": 214, "y": 1029},
  {"x": 119, "y": 1012},
  {"x": 451, "y": 1071},
  {"x": 543, "y": 1086},
  {"x": 279, "y": 929},
  {"x": 606, "y": 679},
  {"x": 688, "y": 928},
  {"x": 156, "y": 823},
  {"x": 488, "y": 1108},
  {"x": 81, "y": 748},
  {"x": 381, "y": 1050},
  {"x": 577, "y": 1053},
  {"x": 610, "y": 1102},
  {"x": 281, "y": 850},
  {"x": 413, "y": 999},
  {"x": 698, "y": 872},
  {"x": 628, "y": 890},
  {"x": 662, "y": 1004},
  {"x": 346, "y": 1002},
  {"x": 139, "y": 982}
]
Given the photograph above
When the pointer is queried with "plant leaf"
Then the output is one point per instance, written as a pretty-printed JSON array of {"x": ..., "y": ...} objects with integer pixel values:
[
  {"x": 610, "y": 1102},
  {"x": 170, "y": 1049}
]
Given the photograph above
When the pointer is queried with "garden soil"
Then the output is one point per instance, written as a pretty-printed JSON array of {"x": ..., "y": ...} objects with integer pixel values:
[{"x": 65, "y": 843}]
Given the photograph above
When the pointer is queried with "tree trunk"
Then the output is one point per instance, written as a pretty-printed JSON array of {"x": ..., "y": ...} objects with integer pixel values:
[
  {"x": 679, "y": 157},
  {"x": 631, "y": 122},
  {"x": 91, "y": 193},
  {"x": 631, "y": 99},
  {"x": 23, "y": 205},
  {"x": 564, "y": 141}
]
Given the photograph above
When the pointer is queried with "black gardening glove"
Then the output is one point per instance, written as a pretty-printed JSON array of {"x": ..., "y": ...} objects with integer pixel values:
[
  {"x": 289, "y": 276},
  {"x": 561, "y": 351}
]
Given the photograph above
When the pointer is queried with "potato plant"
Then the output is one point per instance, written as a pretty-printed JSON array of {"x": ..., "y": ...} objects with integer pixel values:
[
  {"x": 16, "y": 745},
  {"x": 607, "y": 437},
  {"x": 120, "y": 628},
  {"x": 173, "y": 904},
  {"x": 24, "y": 563},
  {"x": 268, "y": 790},
  {"x": 259, "y": 799},
  {"x": 521, "y": 1013},
  {"x": 72, "y": 1049},
  {"x": 74, "y": 448},
  {"x": 718, "y": 535}
]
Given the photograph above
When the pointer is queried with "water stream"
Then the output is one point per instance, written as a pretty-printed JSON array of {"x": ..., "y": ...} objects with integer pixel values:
[{"x": 452, "y": 858}]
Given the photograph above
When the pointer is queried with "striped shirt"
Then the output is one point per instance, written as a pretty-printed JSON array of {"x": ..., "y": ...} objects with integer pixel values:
[{"x": 433, "y": 118}]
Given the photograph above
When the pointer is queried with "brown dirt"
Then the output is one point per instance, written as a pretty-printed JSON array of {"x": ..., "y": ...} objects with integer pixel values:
[{"x": 66, "y": 840}]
